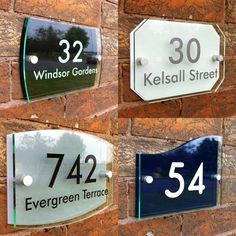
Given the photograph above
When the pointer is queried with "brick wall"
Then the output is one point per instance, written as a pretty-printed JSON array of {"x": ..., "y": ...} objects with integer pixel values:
[
  {"x": 222, "y": 12},
  {"x": 158, "y": 135},
  {"x": 102, "y": 224},
  {"x": 90, "y": 102}
]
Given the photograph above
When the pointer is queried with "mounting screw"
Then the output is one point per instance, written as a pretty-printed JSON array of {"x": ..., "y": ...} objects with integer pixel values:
[
  {"x": 142, "y": 61},
  {"x": 33, "y": 59},
  {"x": 148, "y": 179},
  {"x": 107, "y": 174},
  {"x": 219, "y": 58},
  {"x": 25, "y": 180},
  {"x": 149, "y": 234}
]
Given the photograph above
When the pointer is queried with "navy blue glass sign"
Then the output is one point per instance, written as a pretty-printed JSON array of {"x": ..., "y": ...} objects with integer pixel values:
[
  {"x": 182, "y": 179},
  {"x": 58, "y": 57}
]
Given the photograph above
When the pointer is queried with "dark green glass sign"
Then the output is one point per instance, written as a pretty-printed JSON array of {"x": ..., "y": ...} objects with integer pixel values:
[{"x": 58, "y": 57}]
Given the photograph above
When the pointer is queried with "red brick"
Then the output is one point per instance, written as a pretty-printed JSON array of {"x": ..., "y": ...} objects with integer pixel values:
[
  {"x": 123, "y": 125},
  {"x": 94, "y": 125},
  {"x": 231, "y": 11},
  {"x": 180, "y": 129},
  {"x": 132, "y": 198},
  {"x": 5, "y": 4},
  {"x": 150, "y": 110},
  {"x": 10, "y": 34},
  {"x": 39, "y": 110},
  {"x": 109, "y": 70},
  {"x": 230, "y": 73},
  {"x": 83, "y": 12},
  {"x": 230, "y": 131},
  {"x": 128, "y": 94},
  {"x": 99, "y": 225},
  {"x": 126, "y": 24},
  {"x": 170, "y": 226},
  {"x": 17, "y": 92},
  {"x": 4, "y": 227},
  {"x": 110, "y": 42},
  {"x": 58, "y": 231},
  {"x": 5, "y": 82},
  {"x": 228, "y": 190},
  {"x": 109, "y": 15},
  {"x": 210, "y": 222},
  {"x": 195, "y": 10},
  {"x": 230, "y": 34},
  {"x": 114, "y": 126},
  {"x": 210, "y": 105},
  {"x": 122, "y": 198},
  {"x": 91, "y": 101}
]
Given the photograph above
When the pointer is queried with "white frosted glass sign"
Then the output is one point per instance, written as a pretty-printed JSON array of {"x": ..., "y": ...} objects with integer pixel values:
[
  {"x": 57, "y": 176},
  {"x": 175, "y": 59}
]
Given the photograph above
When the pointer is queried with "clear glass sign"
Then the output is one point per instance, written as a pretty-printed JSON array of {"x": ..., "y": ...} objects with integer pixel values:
[
  {"x": 175, "y": 59},
  {"x": 57, "y": 176},
  {"x": 58, "y": 57},
  {"x": 181, "y": 179}
]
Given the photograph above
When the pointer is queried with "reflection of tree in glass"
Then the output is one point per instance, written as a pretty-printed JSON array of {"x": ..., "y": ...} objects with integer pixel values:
[
  {"x": 67, "y": 143},
  {"x": 74, "y": 34},
  {"x": 45, "y": 40}
]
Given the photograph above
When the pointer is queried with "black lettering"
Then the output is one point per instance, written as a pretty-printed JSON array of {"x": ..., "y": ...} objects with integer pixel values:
[{"x": 28, "y": 203}]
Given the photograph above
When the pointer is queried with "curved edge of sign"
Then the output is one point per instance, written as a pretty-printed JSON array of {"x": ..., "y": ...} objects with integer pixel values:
[{"x": 24, "y": 58}]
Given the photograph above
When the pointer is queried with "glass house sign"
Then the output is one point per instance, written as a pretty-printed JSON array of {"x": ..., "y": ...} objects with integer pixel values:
[
  {"x": 56, "y": 176},
  {"x": 58, "y": 57},
  {"x": 182, "y": 179},
  {"x": 175, "y": 59}
]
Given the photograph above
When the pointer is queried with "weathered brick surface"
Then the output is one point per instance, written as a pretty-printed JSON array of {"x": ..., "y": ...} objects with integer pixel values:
[
  {"x": 230, "y": 131},
  {"x": 10, "y": 34},
  {"x": 229, "y": 190},
  {"x": 17, "y": 92},
  {"x": 5, "y": 4},
  {"x": 63, "y": 10},
  {"x": 78, "y": 105},
  {"x": 4, "y": 228},
  {"x": 229, "y": 161},
  {"x": 128, "y": 94},
  {"x": 149, "y": 110},
  {"x": 132, "y": 198},
  {"x": 123, "y": 125},
  {"x": 94, "y": 125},
  {"x": 42, "y": 110},
  {"x": 210, "y": 222},
  {"x": 110, "y": 43},
  {"x": 129, "y": 147},
  {"x": 202, "y": 10},
  {"x": 231, "y": 11},
  {"x": 109, "y": 70},
  {"x": 160, "y": 227},
  {"x": 123, "y": 199},
  {"x": 110, "y": 15},
  {"x": 180, "y": 129},
  {"x": 100, "y": 225},
  {"x": 213, "y": 105},
  {"x": 126, "y": 25},
  {"x": 5, "y": 82}
]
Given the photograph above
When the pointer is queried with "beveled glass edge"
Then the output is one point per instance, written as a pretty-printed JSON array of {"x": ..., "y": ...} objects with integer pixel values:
[{"x": 24, "y": 59}]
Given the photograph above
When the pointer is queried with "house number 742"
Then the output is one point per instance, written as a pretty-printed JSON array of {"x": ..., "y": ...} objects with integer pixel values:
[{"x": 76, "y": 166}]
